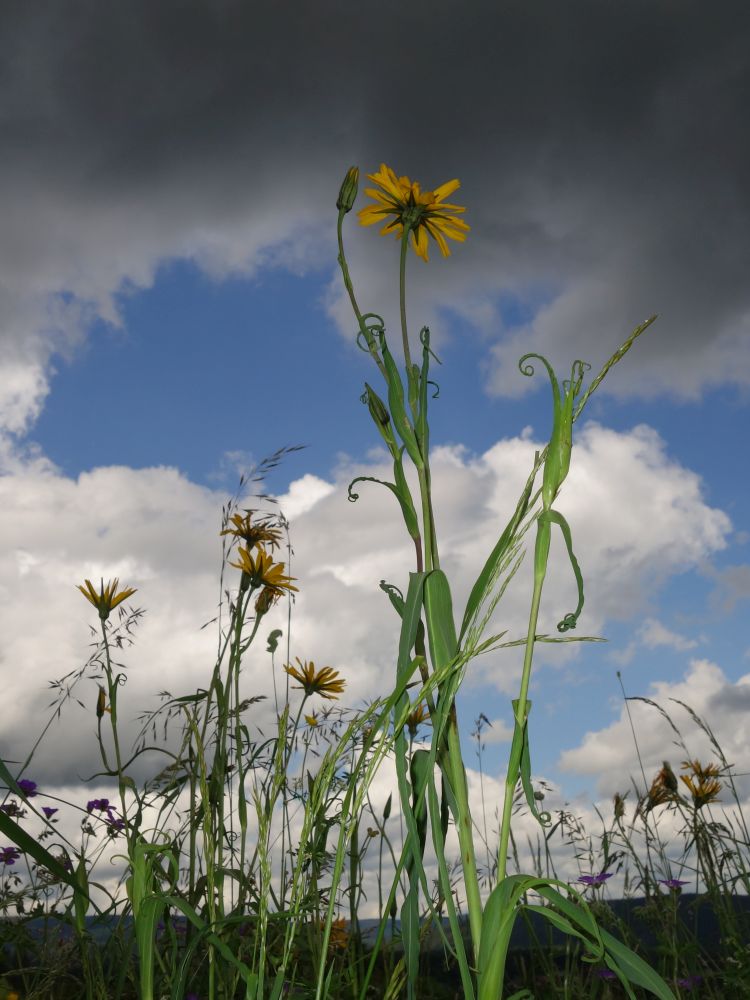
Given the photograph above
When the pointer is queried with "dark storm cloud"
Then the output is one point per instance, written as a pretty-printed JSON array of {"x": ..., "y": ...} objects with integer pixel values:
[{"x": 602, "y": 150}]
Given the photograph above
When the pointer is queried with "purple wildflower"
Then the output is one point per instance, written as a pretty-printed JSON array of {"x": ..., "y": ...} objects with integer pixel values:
[
  {"x": 9, "y": 855},
  {"x": 114, "y": 824},
  {"x": 48, "y": 811},
  {"x": 605, "y": 974},
  {"x": 27, "y": 787},
  {"x": 10, "y": 809},
  {"x": 689, "y": 982},
  {"x": 672, "y": 883},
  {"x": 599, "y": 879},
  {"x": 100, "y": 804}
]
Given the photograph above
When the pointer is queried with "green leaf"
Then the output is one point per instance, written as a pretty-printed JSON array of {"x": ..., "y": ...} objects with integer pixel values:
[
  {"x": 570, "y": 620},
  {"x": 620, "y": 958},
  {"x": 396, "y": 405},
  {"x": 404, "y": 499},
  {"x": 441, "y": 629},
  {"x": 481, "y": 588}
]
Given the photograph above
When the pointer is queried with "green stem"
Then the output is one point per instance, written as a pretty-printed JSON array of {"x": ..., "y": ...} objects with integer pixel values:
[
  {"x": 112, "y": 691},
  {"x": 511, "y": 780},
  {"x": 402, "y": 298},
  {"x": 371, "y": 345},
  {"x": 465, "y": 831}
]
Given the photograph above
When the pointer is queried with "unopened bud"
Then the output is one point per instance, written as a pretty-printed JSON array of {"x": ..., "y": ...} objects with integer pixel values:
[
  {"x": 266, "y": 600},
  {"x": 100, "y": 703},
  {"x": 348, "y": 192},
  {"x": 377, "y": 407}
]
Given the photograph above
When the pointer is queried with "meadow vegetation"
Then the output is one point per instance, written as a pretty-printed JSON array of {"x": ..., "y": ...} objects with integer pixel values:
[{"x": 243, "y": 859}]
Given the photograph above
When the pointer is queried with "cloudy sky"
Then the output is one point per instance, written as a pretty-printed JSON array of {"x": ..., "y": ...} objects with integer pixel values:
[{"x": 171, "y": 312}]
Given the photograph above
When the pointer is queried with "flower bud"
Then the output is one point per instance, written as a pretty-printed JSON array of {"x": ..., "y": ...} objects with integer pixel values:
[
  {"x": 377, "y": 407},
  {"x": 266, "y": 600},
  {"x": 100, "y": 703},
  {"x": 348, "y": 192}
]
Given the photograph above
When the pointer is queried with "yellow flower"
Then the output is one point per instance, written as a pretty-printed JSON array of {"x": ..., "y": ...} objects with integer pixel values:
[
  {"x": 663, "y": 788},
  {"x": 619, "y": 803},
  {"x": 312, "y": 720},
  {"x": 107, "y": 598},
  {"x": 264, "y": 532},
  {"x": 666, "y": 777},
  {"x": 422, "y": 212},
  {"x": 415, "y": 719},
  {"x": 703, "y": 783},
  {"x": 709, "y": 771},
  {"x": 262, "y": 571},
  {"x": 339, "y": 937},
  {"x": 325, "y": 682}
]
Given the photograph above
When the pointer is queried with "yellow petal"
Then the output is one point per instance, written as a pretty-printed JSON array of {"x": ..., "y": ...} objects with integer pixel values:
[{"x": 445, "y": 189}]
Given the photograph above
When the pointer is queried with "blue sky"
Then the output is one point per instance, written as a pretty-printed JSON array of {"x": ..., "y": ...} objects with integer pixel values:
[{"x": 172, "y": 312}]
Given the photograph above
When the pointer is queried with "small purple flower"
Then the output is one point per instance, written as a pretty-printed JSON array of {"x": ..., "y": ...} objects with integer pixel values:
[
  {"x": 9, "y": 855},
  {"x": 605, "y": 974},
  {"x": 689, "y": 982},
  {"x": 48, "y": 811},
  {"x": 100, "y": 804},
  {"x": 10, "y": 809},
  {"x": 114, "y": 824},
  {"x": 672, "y": 883},
  {"x": 27, "y": 787},
  {"x": 599, "y": 879}
]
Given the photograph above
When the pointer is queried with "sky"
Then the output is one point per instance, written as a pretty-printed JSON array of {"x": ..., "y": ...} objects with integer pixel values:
[{"x": 172, "y": 312}]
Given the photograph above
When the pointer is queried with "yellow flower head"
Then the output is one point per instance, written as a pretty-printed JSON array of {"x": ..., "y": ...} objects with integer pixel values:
[
  {"x": 415, "y": 719},
  {"x": 339, "y": 939},
  {"x": 107, "y": 598},
  {"x": 262, "y": 533},
  {"x": 423, "y": 213},
  {"x": 703, "y": 784},
  {"x": 325, "y": 682},
  {"x": 663, "y": 788},
  {"x": 709, "y": 771},
  {"x": 262, "y": 571},
  {"x": 312, "y": 720},
  {"x": 619, "y": 804}
]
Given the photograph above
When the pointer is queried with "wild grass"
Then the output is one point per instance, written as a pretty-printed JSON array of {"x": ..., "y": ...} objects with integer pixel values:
[{"x": 248, "y": 856}]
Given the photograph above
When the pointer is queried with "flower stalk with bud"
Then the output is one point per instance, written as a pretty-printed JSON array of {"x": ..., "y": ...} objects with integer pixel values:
[{"x": 429, "y": 639}]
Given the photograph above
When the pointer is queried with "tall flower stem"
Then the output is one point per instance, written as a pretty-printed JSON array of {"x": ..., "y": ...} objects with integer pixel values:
[
  {"x": 431, "y": 558},
  {"x": 112, "y": 686},
  {"x": 453, "y": 766},
  {"x": 511, "y": 780},
  {"x": 371, "y": 345}
]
